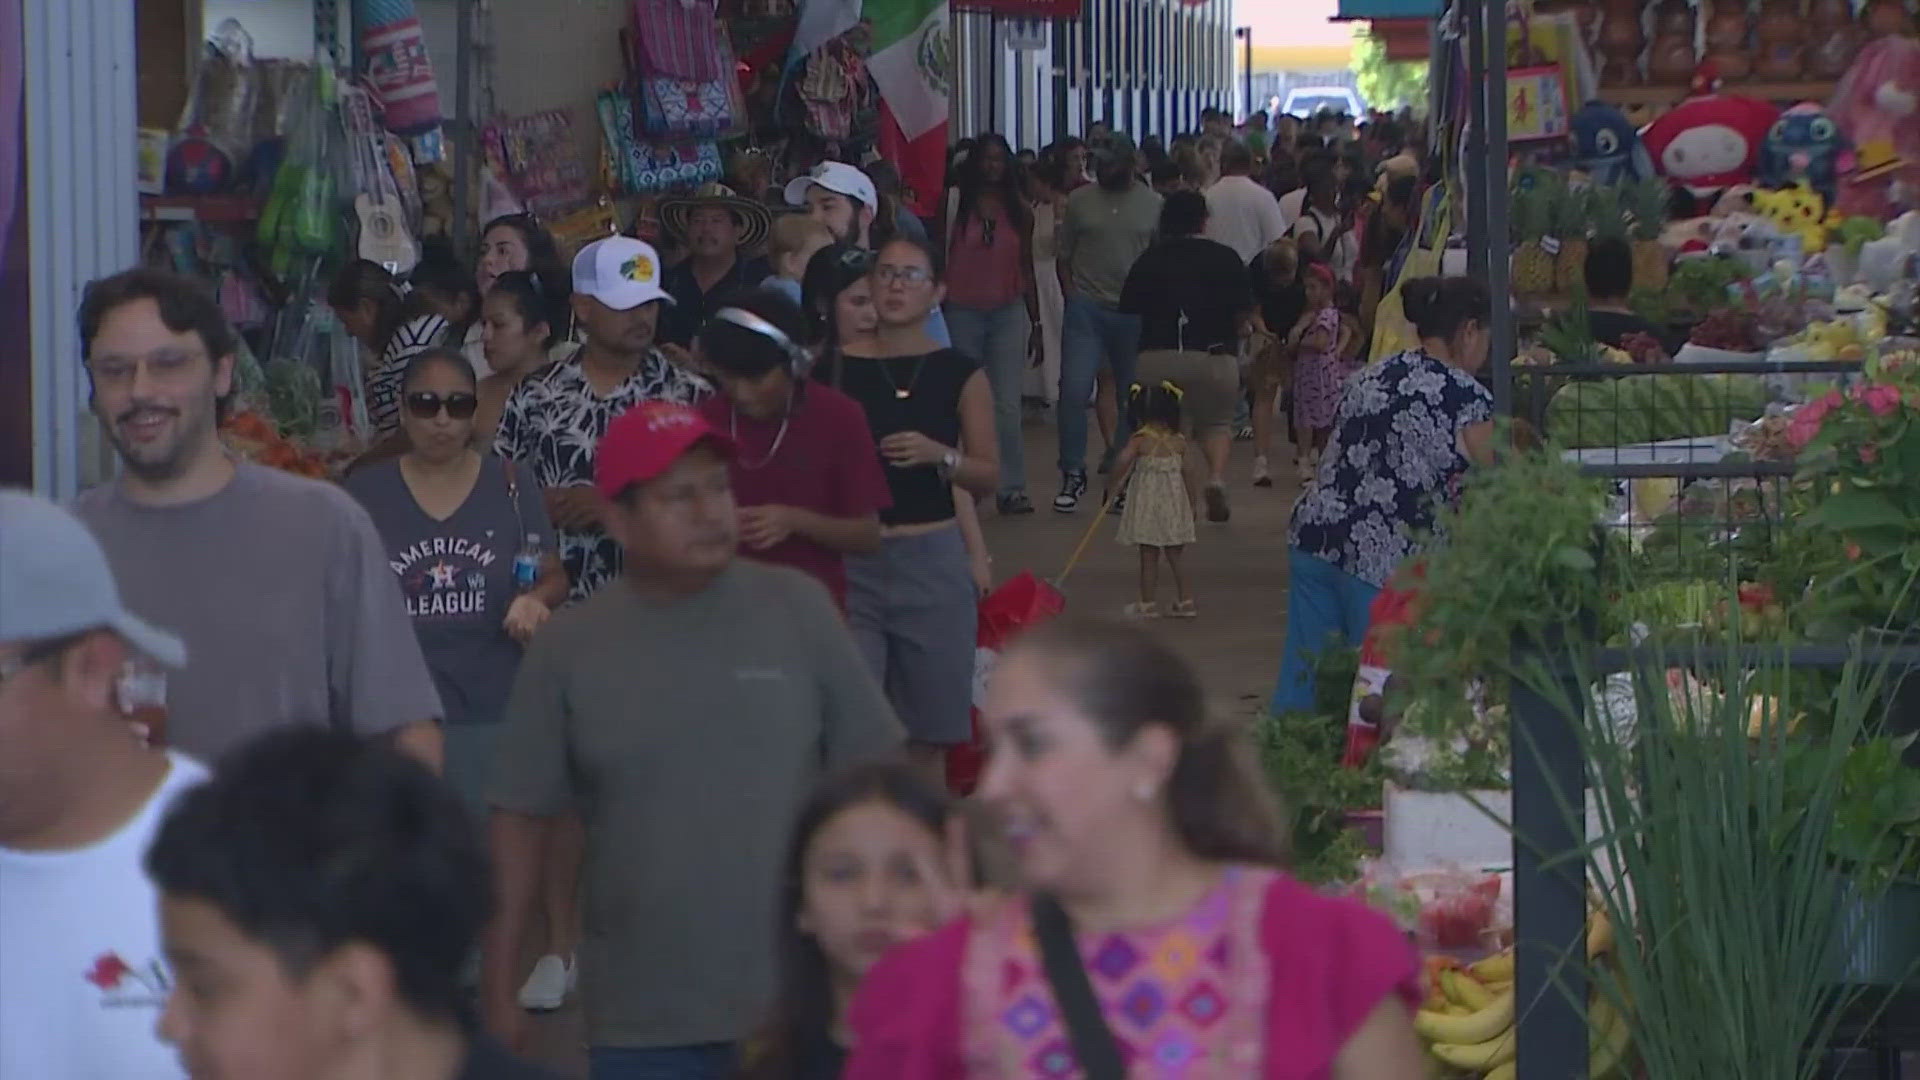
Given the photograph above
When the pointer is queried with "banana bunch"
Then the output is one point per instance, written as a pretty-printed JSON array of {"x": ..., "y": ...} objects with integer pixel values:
[
  {"x": 1838, "y": 339},
  {"x": 1467, "y": 1020}
]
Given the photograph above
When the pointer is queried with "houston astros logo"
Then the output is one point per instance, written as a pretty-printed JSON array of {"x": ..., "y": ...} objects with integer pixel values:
[{"x": 638, "y": 268}]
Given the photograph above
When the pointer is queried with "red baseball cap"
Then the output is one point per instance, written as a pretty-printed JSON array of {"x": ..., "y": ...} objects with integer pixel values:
[{"x": 646, "y": 440}]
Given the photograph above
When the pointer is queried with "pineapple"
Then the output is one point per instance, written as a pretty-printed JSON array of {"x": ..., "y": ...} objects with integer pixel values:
[
  {"x": 1532, "y": 266},
  {"x": 1572, "y": 225},
  {"x": 1648, "y": 202}
]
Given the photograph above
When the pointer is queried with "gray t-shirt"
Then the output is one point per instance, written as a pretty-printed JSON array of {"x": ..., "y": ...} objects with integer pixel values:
[
  {"x": 1102, "y": 233},
  {"x": 280, "y": 588},
  {"x": 689, "y": 732},
  {"x": 457, "y": 577}
]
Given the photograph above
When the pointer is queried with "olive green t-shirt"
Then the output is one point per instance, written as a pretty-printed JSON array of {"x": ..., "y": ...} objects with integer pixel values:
[
  {"x": 688, "y": 732},
  {"x": 1102, "y": 233}
]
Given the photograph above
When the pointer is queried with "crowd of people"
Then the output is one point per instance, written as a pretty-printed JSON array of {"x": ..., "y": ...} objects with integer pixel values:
[{"x": 627, "y": 657}]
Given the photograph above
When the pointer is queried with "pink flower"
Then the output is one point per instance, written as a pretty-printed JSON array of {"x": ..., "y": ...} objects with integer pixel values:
[
  {"x": 1802, "y": 428},
  {"x": 1880, "y": 398},
  {"x": 1869, "y": 453},
  {"x": 1853, "y": 551}
]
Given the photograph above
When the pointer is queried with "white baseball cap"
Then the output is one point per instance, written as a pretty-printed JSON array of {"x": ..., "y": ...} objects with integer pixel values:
[
  {"x": 620, "y": 272},
  {"x": 55, "y": 581},
  {"x": 837, "y": 177}
]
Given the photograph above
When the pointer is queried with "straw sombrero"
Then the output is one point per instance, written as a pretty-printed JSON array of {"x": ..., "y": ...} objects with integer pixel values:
[{"x": 752, "y": 216}]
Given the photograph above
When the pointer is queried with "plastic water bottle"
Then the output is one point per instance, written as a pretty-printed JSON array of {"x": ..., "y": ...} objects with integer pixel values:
[{"x": 526, "y": 563}]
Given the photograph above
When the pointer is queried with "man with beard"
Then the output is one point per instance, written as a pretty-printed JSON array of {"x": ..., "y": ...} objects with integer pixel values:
[
  {"x": 716, "y": 225},
  {"x": 1104, "y": 229},
  {"x": 278, "y": 584},
  {"x": 688, "y": 709},
  {"x": 844, "y": 199},
  {"x": 556, "y": 417}
]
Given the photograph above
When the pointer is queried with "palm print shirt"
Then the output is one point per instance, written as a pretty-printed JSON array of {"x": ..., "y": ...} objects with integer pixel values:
[
  {"x": 1394, "y": 456},
  {"x": 552, "y": 424}
]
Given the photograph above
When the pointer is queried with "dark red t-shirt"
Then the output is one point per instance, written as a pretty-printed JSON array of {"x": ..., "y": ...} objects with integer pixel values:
[{"x": 827, "y": 463}]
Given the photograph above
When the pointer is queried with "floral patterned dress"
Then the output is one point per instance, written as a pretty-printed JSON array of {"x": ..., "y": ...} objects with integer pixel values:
[
  {"x": 1393, "y": 459},
  {"x": 554, "y": 421},
  {"x": 1319, "y": 376}
]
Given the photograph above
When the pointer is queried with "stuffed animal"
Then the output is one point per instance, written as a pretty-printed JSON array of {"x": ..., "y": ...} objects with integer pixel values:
[
  {"x": 1805, "y": 147},
  {"x": 1797, "y": 211},
  {"x": 1878, "y": 103},
  {"x": 1711, "y": 141},
  {"x": 1606, "y": 146}
]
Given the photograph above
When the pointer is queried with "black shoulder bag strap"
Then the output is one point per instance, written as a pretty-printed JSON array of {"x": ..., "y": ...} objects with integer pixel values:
[{"x": 1093, "y": 1043}]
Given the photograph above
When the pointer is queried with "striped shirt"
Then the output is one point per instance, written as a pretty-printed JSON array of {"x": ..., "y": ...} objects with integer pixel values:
[{"x": 411, "y": 338}]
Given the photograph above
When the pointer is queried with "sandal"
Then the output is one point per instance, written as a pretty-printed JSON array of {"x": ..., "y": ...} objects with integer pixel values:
[
  {"x": 1143, "y": 609},
  {"x": 1184, "y": 609}
]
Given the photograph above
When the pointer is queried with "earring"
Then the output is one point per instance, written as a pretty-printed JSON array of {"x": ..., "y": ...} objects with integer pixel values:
[{"x": 1144, "y": 791}]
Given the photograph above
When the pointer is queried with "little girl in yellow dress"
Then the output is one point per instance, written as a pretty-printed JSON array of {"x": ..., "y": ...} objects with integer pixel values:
[{"x": 1158, "y": 516}]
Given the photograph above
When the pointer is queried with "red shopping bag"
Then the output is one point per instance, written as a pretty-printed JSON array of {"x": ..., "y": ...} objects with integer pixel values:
[
  {"x": 1393, "y": 609},
  {"x": 1024, "y": 601}
]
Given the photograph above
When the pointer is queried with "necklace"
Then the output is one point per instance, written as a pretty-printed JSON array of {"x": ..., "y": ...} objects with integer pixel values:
[
  {"x": 902, "y": 393},
  {"x": 733, "y": 432}
]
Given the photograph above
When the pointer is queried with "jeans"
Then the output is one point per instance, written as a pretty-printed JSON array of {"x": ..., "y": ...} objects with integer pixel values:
[
  {"x": 1093, "y": 333},
  {"x": 997, "y": 338},
  {"x": 703, "y": 1061},
  {"x": 1323, "y": 601}
]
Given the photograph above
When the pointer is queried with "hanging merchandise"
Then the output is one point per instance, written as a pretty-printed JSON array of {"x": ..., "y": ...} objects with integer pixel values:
[
  {"x": 1878, "y": 102},
  {"x": 834, "y": 89},
  {"x": 297, "y": 224},
  {"x": 646, "y": 165},
  {"x": 677, "y": 39},
  {"x": 535, "y": 154},
  {"x": 385, "y": 236},
  {"x": 397, "y": 65},
  {"x": 676, "y": 71},
  {"x": 216, "y": 128}
]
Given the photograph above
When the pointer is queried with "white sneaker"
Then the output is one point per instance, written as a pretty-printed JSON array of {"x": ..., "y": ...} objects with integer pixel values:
[
  {"x": 1262, "y": 477},
  {"x": 548, "y": 986}
]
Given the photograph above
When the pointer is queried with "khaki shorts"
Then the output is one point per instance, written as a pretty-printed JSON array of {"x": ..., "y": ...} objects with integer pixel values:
[{"x": 1209, "y": 384}]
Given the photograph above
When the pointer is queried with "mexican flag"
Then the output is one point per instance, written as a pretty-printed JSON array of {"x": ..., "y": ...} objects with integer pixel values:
[{"x": 910, "y": 62}]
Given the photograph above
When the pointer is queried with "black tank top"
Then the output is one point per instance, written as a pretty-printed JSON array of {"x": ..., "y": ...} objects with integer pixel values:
[{"x": 911, "y": 393}]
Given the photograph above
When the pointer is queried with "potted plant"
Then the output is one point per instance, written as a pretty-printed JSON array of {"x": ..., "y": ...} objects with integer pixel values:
[
  {"x": 1857, "y": 534},
  {"x": 1874, "y": 834},
  {"x": 1716, "y": 862}
]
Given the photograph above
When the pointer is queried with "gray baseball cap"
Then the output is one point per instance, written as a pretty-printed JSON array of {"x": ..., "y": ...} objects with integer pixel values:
[{"x": 55, "y": 581}]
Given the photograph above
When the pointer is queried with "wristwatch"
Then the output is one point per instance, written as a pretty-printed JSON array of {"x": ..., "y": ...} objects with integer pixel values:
[{"x": 949, "y": 464}]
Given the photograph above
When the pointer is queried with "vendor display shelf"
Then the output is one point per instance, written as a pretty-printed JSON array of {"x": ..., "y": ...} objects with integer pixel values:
[
  {"x": 213, "y": 209},
  {"x": 1662, "y": 97}
]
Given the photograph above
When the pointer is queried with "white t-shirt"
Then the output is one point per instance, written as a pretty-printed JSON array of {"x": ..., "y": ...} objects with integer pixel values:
[
  {"x": 1292, "y": 205},
  {"x": 80, "y": 962},
  {"x": 1244, "y": 215}
]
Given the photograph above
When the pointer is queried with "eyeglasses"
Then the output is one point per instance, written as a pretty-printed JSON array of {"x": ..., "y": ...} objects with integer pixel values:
[
  {"x": 902, "y": 275},
  {"x": 164, "y": 365},
  {"x": 426, "y": 405}
]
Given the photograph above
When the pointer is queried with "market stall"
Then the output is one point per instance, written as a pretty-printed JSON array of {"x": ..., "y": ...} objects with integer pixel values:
[{"x": 1709, "y": 575}]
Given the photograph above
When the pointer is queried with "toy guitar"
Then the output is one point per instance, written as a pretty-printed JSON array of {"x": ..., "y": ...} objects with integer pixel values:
[{"x": 384, "y": 237}]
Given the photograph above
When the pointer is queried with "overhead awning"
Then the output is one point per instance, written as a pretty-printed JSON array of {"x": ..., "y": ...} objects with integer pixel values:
[
  {"x": 1302, "y": 57},
  {"x": 1404, "y": 39},
  {"x": 1389, "y": 9}
]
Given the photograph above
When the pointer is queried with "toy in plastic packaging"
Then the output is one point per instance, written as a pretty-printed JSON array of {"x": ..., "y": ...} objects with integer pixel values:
[
  {"x": 216, "y": 129},
  {"x": 298, "y": 222}
]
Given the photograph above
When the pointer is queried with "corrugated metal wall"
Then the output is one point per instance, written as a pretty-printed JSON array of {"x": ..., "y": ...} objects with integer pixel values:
[
  {"x": 1147, "y": 67},
  {"x": 80, "y": 191}
]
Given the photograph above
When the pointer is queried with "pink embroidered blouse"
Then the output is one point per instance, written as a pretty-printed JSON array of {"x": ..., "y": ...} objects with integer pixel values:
[{"x": 1263, "y": 978}]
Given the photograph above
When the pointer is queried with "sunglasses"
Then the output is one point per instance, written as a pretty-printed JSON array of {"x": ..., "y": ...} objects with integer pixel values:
[{"x": 427, "y": 405}]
